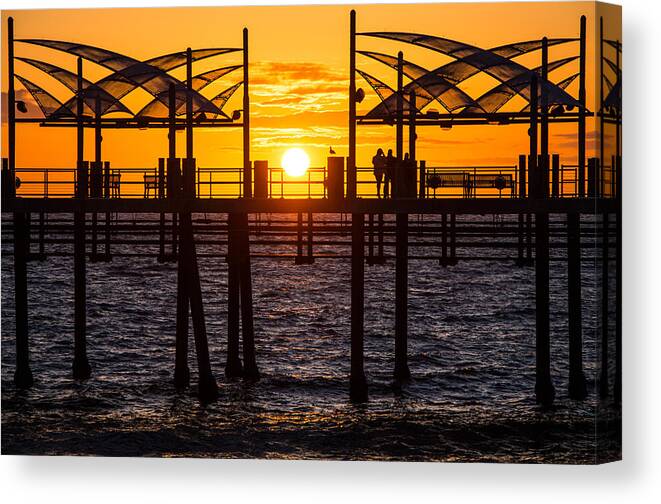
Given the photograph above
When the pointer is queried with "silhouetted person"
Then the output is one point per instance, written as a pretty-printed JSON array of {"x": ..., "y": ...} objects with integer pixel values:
[
  {"x": 391, "y": 164},
  {"x": 379, "y": 163}
]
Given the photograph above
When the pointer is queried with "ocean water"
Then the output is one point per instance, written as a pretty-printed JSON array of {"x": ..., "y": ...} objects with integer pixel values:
[{"x": 471, "y": 355}]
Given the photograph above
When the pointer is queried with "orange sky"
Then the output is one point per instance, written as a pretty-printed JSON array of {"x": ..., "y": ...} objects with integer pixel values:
[{"x": 299, "y": 75}]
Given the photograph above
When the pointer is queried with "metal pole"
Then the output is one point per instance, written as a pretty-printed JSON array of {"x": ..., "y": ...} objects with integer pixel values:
[
  {"x": 543, "y": 169},
  {"x": 601, "y": 91},
  {"x": 395, "y": 184},
  {"x": 351, "y": 162},
  {"x": 581, "y": 113},
  {"x": 11, "y": 109},
  {"x": 247, "y": 173}
]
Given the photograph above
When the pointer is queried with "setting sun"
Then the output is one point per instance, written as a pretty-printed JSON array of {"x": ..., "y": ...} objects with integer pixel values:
[{"x": 295, "y": 162}]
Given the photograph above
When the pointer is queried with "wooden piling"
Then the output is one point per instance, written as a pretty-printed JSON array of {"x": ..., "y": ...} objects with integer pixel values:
[
  {"x": 617, "y": 193},
  {"x": 357, "y": 381},
  {"x": 250, "y": 370},
  {"x": 22, "y": 375},
  {"x": 402, "y": 372},
  {"x": 605, "y": 319},
  {"x": 577, "y": 383},
  {"x": 207, "y": 387},
  {"x": 233, "y": 366}
]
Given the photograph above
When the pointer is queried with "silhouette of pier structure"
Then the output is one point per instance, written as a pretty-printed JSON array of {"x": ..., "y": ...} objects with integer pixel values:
[{"x": 548, "y": 205}]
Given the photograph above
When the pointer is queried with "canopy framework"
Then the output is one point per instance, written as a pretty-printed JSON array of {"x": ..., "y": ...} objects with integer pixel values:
[{"x": 127, "y": 75}]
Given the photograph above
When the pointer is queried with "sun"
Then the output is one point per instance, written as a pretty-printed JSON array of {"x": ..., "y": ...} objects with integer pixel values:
[{"x": 295, "y": 162}]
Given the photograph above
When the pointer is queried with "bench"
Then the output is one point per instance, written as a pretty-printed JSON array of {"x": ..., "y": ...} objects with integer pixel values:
[
  {"x": 114, "y": 183},
  {"x": 151, "y": 183},
  {"x": 469, "y": 182}
]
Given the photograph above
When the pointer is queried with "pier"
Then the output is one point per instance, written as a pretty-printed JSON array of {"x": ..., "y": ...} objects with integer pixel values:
[{"x": 536, "y": 210}]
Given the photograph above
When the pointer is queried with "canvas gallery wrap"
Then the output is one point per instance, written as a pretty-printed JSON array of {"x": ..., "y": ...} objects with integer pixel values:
[{"x": 370, "y": 232}]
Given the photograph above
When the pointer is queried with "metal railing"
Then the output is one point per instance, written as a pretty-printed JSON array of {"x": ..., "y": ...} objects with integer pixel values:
[{"x": 227, "y": 182}]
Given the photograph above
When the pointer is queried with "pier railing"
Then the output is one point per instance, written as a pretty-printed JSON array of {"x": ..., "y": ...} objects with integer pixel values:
[{"x": 468, "y": 182}]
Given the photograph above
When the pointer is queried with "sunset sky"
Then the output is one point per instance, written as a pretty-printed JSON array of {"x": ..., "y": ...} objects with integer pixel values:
[{"x": 299, "y": 59}]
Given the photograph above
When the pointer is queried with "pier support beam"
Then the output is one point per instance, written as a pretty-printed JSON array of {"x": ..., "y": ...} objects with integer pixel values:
[
  {"x": 402, "y": 372},
  {"x": 233, "y": 366},
  {"x": 250, "y": 370},
  {"x": 207, "y": 387},
  {"x": 605, "y": 319},
  {"x": 357, "y": 381},
  {"x": 22, "y": 374},
  {"x": 181, "y": 370},
  {"x": 577, "y": 384}
]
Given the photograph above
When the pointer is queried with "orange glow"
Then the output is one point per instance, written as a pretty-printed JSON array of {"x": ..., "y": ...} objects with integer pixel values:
[{"x": 299, "y": 77}]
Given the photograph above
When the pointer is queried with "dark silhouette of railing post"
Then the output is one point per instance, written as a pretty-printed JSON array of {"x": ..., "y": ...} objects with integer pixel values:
[
  {"x": 522, "y": 194},
  {"x": 357, "y": 381},
  {"x": 555, "y": 179},
  {"x": 22, "y": 374},
  {"x": 352, "y": 175},
  {"x": 544, "y": 390},
  {"x": 81, "y": 367},
  {"x": 161, "y": 220},
  {"x": 106, "y": 194},
  {"x": 423, "y": 181},
  {"x": 577, "y": 383}
]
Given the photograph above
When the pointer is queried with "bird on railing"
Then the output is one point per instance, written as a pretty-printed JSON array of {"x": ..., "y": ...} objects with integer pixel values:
[{"x": 332, "y": 151}]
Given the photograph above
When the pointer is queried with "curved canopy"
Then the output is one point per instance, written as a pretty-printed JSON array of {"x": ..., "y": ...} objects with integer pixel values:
[
  {"x": 442, "y": 83},
  {"x": 129, "y": 74}
]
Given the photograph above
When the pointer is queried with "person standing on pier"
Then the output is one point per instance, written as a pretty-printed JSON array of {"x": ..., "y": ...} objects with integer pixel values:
[
  {"x": 391, "y": 164},
  {"x": 379, "y": 163}
]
